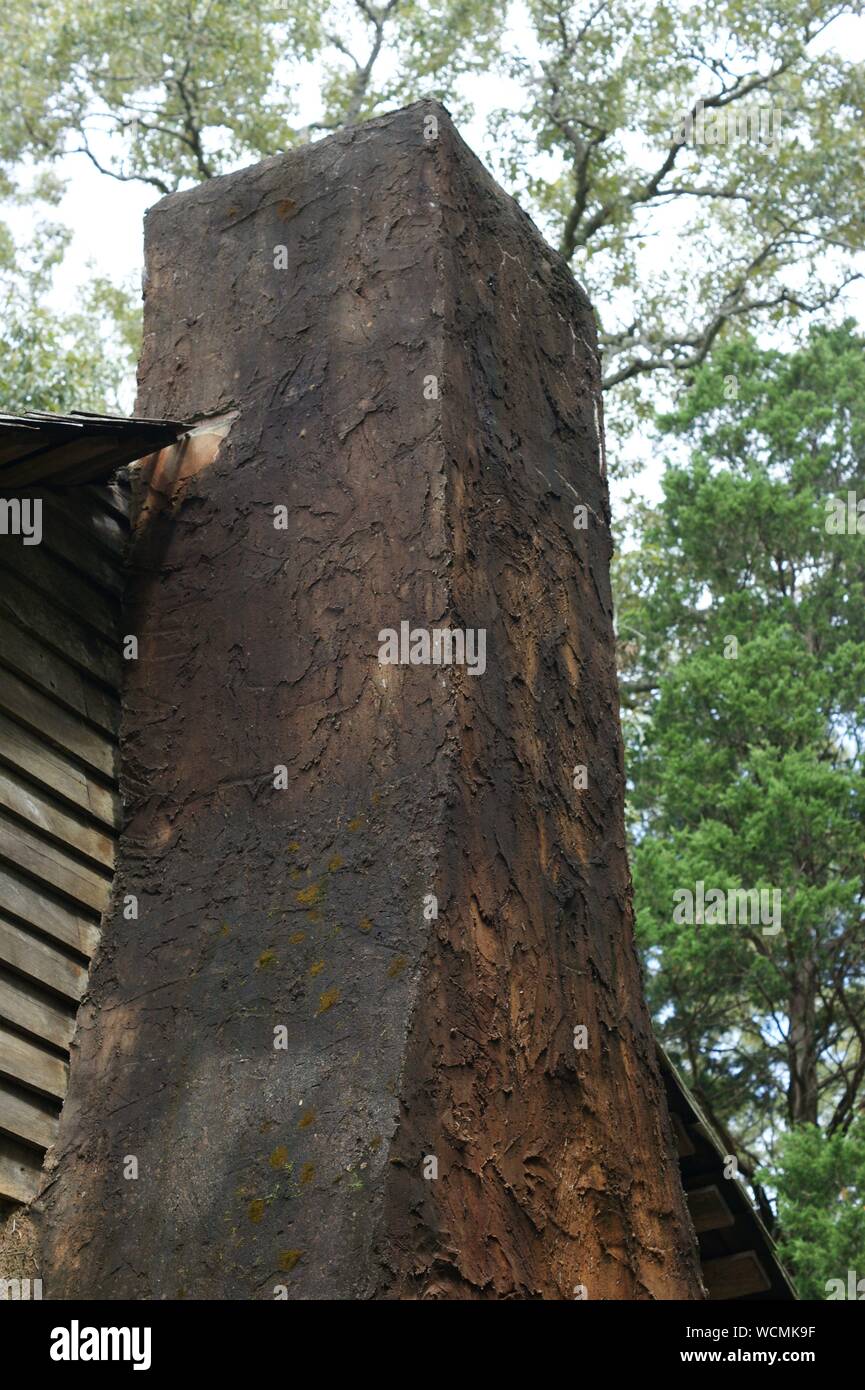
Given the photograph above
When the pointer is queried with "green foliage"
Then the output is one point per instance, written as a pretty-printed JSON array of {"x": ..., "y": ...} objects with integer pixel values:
[
  {"x": 731, "y": 218},
  {"x": 744, "y": 213},
  {"x": 402, "y": 50},
  {"x": 80, "y": 360},
  {"x": 170, "y": 92},
  {"x": 747, "y": 762},
  {"x": 185, "y": 89},
  {"x": 820, "y": 1183}
]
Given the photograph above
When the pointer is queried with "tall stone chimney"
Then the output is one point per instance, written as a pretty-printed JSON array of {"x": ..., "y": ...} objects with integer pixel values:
[{"x": 367, "y": 1021}]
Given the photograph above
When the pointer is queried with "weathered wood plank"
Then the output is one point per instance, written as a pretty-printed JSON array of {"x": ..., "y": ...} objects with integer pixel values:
[
  {"x": 111, "y": 496},
  {"x": 87, "y": 456},
  {"x": 59, "y": 726},
  {"x": 63, "y": 586},
  {"x": 32, "y": 1066},
  {"x": 709, "y": 1211},
  {"x": 77, "y": 509},
  {"x": 26, "y": 1116},
  {"x": 23, "y": 799},
  {"x": 104, "y": 527},
  {"x": 59, "y": 630},
  {"x": 23, "y": 750},
  {"x": 20, "y": 1171},
  {"x": 78, "y": 550},
  {"x": 35, "y": 1011},
  {"x": 734, "y": 1276},
  {"x": 20, "y": 441},
  {"x": 59, "y": 636},
  {"x": 58, "y": 920},
  {"x": 56, "y": 678},
  {"x": 41, "y": 962},
  {"x": 47, "y": 863}
]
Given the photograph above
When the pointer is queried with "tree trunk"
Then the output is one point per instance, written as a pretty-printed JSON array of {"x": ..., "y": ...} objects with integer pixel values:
[{"x": 802, "y": 1048}]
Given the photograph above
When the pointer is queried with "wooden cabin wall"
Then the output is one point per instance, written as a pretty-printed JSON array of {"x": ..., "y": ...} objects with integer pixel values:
[{"x": 60, "y": 670}]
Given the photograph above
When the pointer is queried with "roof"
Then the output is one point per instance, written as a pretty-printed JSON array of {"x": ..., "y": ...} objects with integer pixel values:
[
  {"x": 37, "y": 448},
  {"x": 737, "y": 1254}
]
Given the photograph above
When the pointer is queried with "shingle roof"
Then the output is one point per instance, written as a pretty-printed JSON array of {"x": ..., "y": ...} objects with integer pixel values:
[{"x": 38, "y": 448}]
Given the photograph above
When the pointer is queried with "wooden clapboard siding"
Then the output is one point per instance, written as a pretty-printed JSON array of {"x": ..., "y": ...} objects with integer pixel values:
[
  {"x": 37, "y": 961},
  {"x": 70, "y": 590},
  {"x": 111, "y": 498},
  {"x": 56, "y": 677},
  {"x": 30, "y": 801},
  {"x": 27, "y": 1116},
  {"x": 40, "y": 859},
  {"x": 80, "y": 646},
  {"x": 60, "y": 673},
  {"x": 34, "y": 1012},
  {"x": 31, "y": 1065},
  {"x": 102, "y": 529},
  {"x": 24, "y": 752},
  {"x": 56, "y": 725},
  {"x": 20, "y": 1170},
  {"x": 102, "y": 532},
  {"x": 73, "y": 546},
  {"x": 35, "y": 906}
]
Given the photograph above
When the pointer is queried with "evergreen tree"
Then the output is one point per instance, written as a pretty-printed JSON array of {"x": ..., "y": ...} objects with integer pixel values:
[{"x": 742, "y": 628}]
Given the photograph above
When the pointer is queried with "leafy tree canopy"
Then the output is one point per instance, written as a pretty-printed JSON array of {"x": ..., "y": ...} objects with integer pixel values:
[{"x": 699, "y": 167}]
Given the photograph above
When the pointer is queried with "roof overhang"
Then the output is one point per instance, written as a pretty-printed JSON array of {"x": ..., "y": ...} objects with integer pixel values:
[{"x": 60, "y": 450}]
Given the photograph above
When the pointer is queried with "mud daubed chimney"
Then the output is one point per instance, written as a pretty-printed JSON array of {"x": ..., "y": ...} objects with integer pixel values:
[{"x": 377, "y": 1029}]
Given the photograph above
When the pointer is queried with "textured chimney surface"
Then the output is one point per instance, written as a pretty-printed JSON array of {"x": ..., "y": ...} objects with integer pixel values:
[{"x": 337, "y": 1042}]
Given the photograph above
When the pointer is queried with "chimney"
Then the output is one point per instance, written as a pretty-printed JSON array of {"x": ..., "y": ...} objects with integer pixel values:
[{"x": 367, "y": 1021}]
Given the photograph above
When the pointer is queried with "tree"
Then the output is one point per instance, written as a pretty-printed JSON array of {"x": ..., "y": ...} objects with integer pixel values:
[
  {"x": 732, "y": 133},
  {"x": 743, "y": 629},
  {"x": 820, "y": 1183},
  {"x": 724, "y": 138},
  {"x": 79, "y": 360},
  {"x": 167, "y": 93}
]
